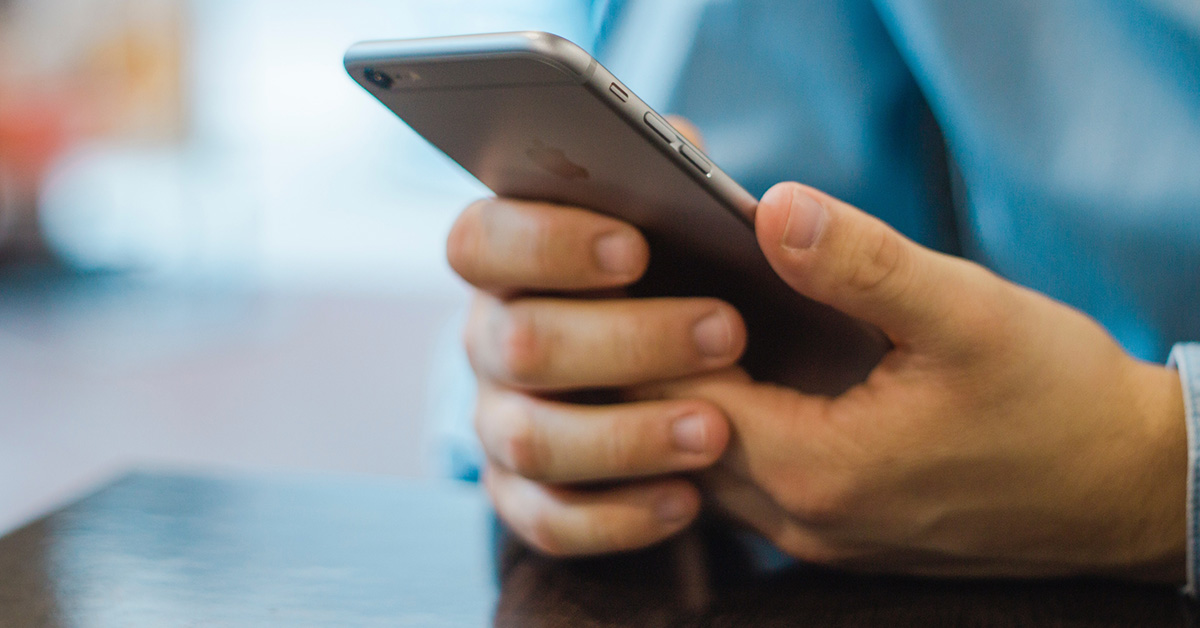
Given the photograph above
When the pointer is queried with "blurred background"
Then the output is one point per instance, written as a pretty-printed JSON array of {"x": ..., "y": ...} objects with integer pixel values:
[{"x": 215, "y": 249}]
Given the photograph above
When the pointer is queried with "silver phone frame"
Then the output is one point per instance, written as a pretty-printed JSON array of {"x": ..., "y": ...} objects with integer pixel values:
[{"x": 575, "y": 61}]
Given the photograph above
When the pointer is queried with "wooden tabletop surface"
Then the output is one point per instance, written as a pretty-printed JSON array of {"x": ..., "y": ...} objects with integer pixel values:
[{"x": 162, "y": 550}]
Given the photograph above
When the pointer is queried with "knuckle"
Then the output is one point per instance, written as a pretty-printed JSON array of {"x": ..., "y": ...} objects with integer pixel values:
[
  {"x": 535, "y": 523},
  {"x": 462, "y": 245},
  {"x": 523, "y": 446},
  {"x": 881, "y": 262},
  {"x": 484, "y": 418},
  {"x": 472, "y": 334},
  {"x": 523, "y": 358}
]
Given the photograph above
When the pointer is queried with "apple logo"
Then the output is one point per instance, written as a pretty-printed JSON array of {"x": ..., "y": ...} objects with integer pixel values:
[{"x": 555, "y": 161}]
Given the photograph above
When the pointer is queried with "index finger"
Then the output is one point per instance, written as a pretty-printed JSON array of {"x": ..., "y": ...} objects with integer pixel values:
[{"x": 505, "y": 246}]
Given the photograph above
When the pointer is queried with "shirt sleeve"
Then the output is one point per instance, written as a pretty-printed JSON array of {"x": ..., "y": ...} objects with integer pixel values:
[{"x": 1186, "y": 359}]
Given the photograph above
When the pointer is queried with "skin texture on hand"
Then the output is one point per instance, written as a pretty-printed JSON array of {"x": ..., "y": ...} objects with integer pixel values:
[{"x": 1004, "y": 435}]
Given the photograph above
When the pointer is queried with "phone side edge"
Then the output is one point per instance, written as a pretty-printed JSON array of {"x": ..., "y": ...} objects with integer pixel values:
[
  {"x": 718, "y": 184},
  {"x": 547, "y": 46}
]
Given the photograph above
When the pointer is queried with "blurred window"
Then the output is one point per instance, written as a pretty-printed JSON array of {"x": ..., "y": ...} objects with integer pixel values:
[{"x": 221, "y": 139}]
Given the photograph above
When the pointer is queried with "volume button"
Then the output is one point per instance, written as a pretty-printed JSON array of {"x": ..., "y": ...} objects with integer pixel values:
[
  {"x": 661, "y": 127},
  {"x": 696, "y": 158}
]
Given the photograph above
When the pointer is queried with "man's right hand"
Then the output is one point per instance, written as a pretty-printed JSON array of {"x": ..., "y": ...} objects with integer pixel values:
[{"x": 537, "y": 331}]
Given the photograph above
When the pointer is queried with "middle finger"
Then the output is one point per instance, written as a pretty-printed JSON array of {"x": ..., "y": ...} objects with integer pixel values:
[{"x": 544, "y": 344}]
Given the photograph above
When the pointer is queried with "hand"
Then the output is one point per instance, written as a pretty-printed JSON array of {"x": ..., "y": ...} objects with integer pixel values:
[
  {"x": 1005, "y": 435},
  {"x": 529, "y": 342}
]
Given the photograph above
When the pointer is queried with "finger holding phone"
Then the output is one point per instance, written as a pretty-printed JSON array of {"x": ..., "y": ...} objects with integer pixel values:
[{"x": 525, "y": 345}]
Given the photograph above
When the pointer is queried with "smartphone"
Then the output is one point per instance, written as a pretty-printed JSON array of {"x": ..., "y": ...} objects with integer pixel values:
[{"x": 533, "y": 116}]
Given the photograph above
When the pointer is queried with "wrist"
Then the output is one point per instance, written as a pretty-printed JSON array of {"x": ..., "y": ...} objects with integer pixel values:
[{"x": 1159, "y": 542}]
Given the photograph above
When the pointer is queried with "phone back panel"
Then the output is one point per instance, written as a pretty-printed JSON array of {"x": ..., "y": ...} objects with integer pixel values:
[{"x": 534, "y": 117}]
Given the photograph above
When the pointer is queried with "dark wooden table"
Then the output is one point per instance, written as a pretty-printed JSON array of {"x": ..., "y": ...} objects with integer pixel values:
[{"x": 168, "y": 550}]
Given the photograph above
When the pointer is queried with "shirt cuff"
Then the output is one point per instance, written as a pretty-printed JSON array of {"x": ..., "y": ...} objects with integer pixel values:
[{"x": 1186, "y": 359}]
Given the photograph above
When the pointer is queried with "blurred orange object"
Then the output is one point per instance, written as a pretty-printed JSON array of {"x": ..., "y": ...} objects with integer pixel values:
[
  {"x": 87, "y": 69},
  {"x": 134, "y": 80},
  {"x": 80, "y": 70},
  {"x": 34, "y": 130}
]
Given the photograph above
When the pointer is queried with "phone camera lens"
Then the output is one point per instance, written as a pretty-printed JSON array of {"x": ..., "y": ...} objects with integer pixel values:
[{"x": 378, "y": 78}]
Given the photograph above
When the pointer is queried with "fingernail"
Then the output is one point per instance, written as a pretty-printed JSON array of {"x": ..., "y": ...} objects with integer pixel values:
[
  {"x": 713, "y": 337},
  {"x": 673, "y": 508},
  {"x": 805, "y": 221},
  {"x": 616, "y": 254},
  {"x": 691, "y": 434}
]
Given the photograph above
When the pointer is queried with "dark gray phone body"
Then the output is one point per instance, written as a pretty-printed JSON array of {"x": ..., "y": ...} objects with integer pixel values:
[{"x": 533, "y": 116}]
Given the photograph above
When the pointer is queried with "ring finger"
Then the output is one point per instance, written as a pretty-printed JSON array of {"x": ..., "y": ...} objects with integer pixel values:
[{"x": 562, "y": 443}]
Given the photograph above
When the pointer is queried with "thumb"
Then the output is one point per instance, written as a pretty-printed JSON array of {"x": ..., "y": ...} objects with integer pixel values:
[{"x": 836, "y": 254}]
